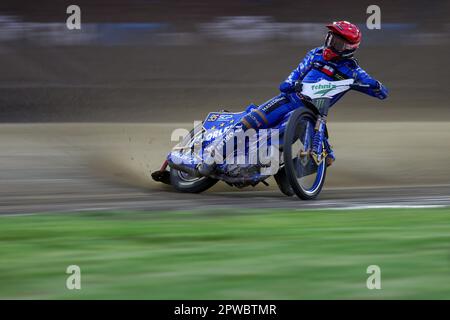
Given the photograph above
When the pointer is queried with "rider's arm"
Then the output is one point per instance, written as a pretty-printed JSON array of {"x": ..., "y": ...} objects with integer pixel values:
[
  {"x": 376, "y": 88},
  {"x": 299, "y": 72}
]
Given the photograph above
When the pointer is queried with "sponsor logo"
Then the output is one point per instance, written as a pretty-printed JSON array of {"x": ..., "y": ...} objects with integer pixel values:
[
  {"x": 323, "y": 89},
  {"x": 266, "y": 107},
  {"x": 220, "y": 117},
  {"x": 213, "y": 117},
  {"x": 225, "y": 117},
  {"x": 213, "y": 133}
]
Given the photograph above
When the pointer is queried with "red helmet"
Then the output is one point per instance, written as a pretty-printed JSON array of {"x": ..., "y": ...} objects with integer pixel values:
[{"x": 342, "y": 40}]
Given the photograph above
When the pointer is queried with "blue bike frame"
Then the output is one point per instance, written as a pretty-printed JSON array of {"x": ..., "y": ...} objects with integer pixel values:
[{"x": 215, "y": 126}]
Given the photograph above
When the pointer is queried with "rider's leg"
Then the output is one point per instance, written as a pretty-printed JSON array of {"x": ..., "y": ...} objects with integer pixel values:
[{"x": 267, "y": 114}]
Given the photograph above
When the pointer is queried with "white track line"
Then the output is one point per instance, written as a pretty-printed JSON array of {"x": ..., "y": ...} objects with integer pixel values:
[{"x": 388, "y": 206}]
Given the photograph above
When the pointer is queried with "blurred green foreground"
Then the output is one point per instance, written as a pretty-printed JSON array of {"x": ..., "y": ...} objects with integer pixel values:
[{"x": 227, "y": 255}]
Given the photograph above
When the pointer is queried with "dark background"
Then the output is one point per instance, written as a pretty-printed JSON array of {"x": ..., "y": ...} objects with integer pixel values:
[{"x": 155, "y": 61}]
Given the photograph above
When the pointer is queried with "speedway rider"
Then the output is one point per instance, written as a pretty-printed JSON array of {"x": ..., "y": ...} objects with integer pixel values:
[{"x": 332, "y": 61}]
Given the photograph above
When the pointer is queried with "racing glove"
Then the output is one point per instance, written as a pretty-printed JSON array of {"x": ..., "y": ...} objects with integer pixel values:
[
  {"x": 380, "y": 91},
  {"x": 298, "y": 86}
]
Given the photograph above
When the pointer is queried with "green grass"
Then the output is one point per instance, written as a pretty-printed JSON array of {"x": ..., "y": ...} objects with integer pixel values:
[{"x": 282, "y": 254}]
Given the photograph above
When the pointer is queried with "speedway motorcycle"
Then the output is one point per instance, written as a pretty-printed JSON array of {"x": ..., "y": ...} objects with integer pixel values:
[{"x": 299, "y": 164}]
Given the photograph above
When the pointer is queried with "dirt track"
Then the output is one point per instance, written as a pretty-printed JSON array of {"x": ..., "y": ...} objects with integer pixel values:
[
  {"x": 386, "y": 147},
  {"x": 66, "y": 167}
]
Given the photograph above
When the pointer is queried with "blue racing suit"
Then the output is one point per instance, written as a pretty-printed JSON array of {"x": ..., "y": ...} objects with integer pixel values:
[{"x": 311, "y": 69}]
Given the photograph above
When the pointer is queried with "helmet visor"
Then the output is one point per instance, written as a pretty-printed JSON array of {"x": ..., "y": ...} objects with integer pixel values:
[{"x": 338, "y": 44}]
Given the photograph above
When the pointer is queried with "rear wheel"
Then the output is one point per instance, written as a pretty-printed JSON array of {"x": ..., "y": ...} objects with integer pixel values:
[
  {"x": 185, "y": 182},
  {"x": 304, "y": 175}
]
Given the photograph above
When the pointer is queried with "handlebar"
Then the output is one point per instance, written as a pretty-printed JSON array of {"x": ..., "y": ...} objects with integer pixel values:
[
  {"x": 358, "y": 85},
  {"x": 298, "y": 86}
]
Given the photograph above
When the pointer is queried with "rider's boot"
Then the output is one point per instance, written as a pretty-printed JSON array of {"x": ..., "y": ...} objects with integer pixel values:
[{"x": 162, "y": 175}]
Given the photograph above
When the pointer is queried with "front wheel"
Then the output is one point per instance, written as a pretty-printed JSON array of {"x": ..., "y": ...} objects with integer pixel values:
[
  {"x": 283, "y": 183},
  {"x": 185, "y": 182},
  {"x": 304, "y": 175}
]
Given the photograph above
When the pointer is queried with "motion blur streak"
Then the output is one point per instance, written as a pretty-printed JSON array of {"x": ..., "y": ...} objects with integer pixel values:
[
  {"x": 150, "y": 66},
  {"x": 64, "y": 167},
  {"x": 87, "y": 114}
]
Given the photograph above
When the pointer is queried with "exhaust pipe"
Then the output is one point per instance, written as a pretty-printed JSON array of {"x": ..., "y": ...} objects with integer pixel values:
[{"x": 184, "y": 168}]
